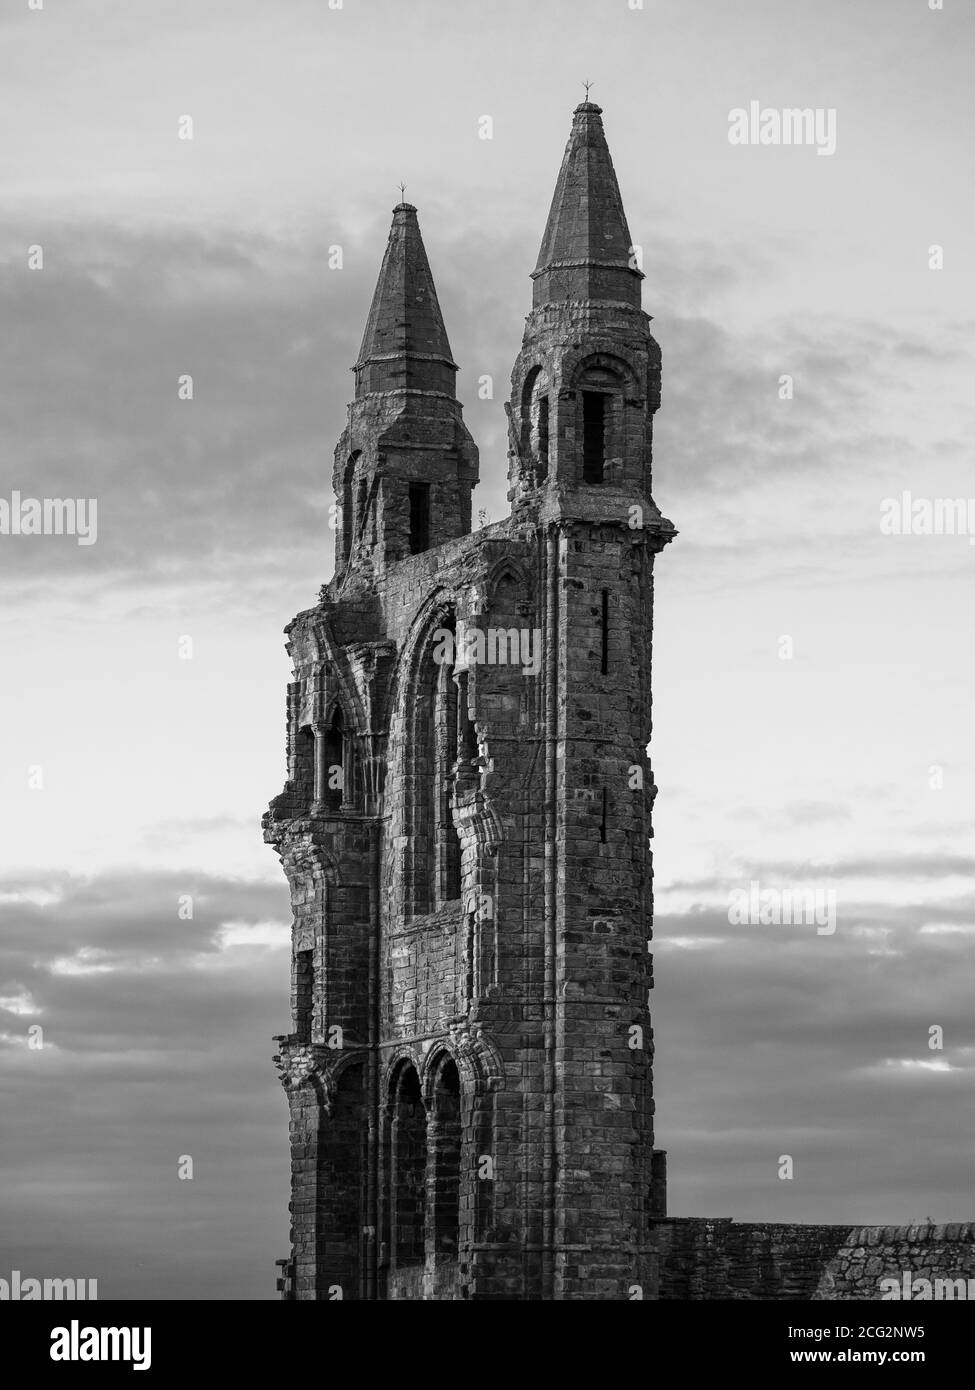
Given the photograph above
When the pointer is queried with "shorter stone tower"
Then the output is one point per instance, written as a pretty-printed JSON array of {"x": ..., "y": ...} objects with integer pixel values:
[
  {"x": 405, "y": 465},
  {"x": 465, "y": 825}
]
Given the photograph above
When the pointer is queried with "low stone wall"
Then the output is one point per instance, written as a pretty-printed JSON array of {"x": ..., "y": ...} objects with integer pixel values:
[
  {"x": 912, "y": 1255},
  {"x": 721, "y": 1259}
]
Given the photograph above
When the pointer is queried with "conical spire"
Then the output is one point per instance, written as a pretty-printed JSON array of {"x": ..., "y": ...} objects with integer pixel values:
[
  {"x": 586, "y": 252},
  {"x": 405, "y": 344}
]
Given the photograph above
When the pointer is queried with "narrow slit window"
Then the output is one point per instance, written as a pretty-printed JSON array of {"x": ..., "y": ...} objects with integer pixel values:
[
  {"x": 359, "y": 526},
  {"x": 447, "y": 849},
  {"x": 604, "y": 655},
  {"x": 602, "y": 823},
  {"x": 348, "y": 519},
  {"x": 304, "y": 994},
  {"x": 419, "y": 518},
  {"x": 593, "y": 435},
  {"x": 543, "y": 436}
]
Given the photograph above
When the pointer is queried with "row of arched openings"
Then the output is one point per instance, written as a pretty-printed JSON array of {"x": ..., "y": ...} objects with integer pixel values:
[
  {"x": 339, "y": 772},
  {"x": 423, "y": 1166},
  {"x": 422, "y": 1146},
  {"x": 440, "y": 748}
]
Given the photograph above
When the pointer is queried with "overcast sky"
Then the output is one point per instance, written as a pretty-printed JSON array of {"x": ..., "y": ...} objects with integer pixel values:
[{"x": 209, "y": 256}]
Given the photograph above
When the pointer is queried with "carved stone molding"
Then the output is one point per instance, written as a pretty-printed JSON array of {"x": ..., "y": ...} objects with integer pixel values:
[
  {"x": 476, "y": 1049},
  {"x": 305, "y": 1063}
]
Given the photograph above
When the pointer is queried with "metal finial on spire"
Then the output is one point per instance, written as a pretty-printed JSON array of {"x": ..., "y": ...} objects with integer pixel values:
[
  {"x": 402, "y": 189},
  {"x": 587, "y": 85}
]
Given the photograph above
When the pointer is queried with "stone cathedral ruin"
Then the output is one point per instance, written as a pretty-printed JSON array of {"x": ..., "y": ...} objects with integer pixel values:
[{"x": 466, "y": 824}]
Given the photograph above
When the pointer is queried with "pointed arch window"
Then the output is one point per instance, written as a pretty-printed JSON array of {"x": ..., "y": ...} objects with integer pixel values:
[
  {"x": 407, "y": 1169},
  {"x": 600, "y": 385},
  {"x": 445, "y": 1141},
  {"x": 333, "y": 792},
  {"x": 535, "y": 422},
  {"x": 340, "y": 1190},
  {"x": 439, "y": 734}
]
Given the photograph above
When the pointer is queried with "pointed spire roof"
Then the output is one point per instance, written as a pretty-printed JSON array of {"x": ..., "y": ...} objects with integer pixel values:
[
  {"x": 585, "y": 252},
  {"x": 405, "y": 344}
]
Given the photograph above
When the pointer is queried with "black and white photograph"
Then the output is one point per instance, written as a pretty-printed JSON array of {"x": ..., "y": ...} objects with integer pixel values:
[{"x": 487, "y": 527}]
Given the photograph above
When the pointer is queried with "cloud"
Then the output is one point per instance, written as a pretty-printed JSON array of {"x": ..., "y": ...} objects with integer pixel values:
[
  {"x": 907, "y": 865},
  {"x": 775, "y": 1040},
  {"x": 938, "y": 866},
  {"x": 231, "y": 490},
  {"x": 769, "y": 1041},
  {"x": 226, "y": 481},
  {"x": 157, "y": 1039},
  {"x": 19, "y": 1002}
]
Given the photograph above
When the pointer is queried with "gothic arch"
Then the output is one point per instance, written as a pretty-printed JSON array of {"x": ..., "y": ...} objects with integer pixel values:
[
  {"x": 331, "y": 657},
  {"x": 330, "y": 687},
  {"x": 343, "y": 750},
  {"x": 440, "y": 605},
  {"x": 335, "y": 706},
  {"x": 336, "y": 759},
  {"x": 579, "y": 364},
  {"x": 402, "y": 1054},
  {"x": 327, "y": 1109},
  {"x": 405, "y": 1167},
  {"x": 508, "y": 568},
  {"x": 599, "y": 385},
  {"x": 438, "y": 1055},
  {"x": 430, "y": 716},
  {"x": 445, "y": 1157},
  {"x": 481, "y": 1071},
  {"x": 533, "y": 404}
]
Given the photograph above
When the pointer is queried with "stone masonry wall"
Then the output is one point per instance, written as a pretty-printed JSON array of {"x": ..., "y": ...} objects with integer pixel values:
[{"x": 722, "y": 1259}]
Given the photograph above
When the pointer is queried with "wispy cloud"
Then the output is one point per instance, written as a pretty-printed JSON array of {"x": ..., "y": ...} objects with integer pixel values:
[{"x": 156, "y": 1043}]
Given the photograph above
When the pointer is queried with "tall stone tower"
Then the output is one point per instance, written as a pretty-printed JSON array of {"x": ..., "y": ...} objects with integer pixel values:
[{"x": 465, "y": 825}]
